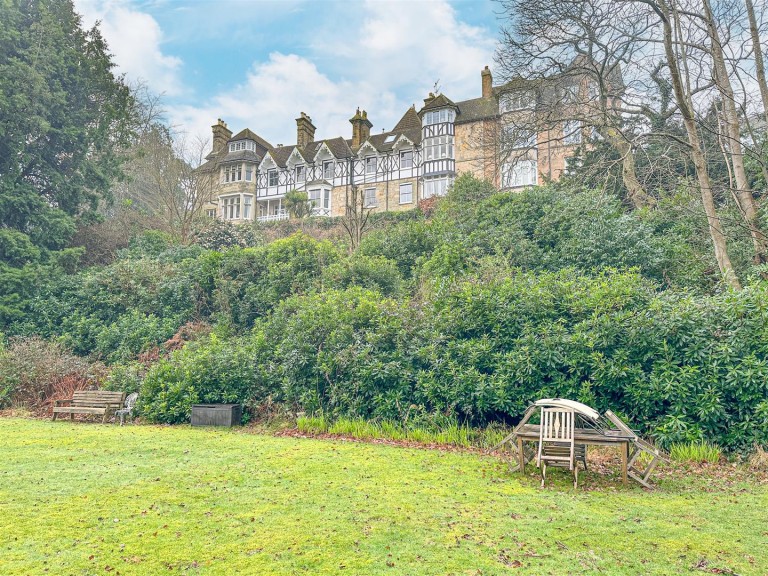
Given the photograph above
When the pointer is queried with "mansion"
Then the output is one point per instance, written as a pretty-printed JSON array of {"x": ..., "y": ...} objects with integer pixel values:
[{"x": 418, "y": 159}]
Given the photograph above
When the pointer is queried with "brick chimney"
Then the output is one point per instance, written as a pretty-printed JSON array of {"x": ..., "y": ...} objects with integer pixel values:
[
  {"x": 361, "y": 128},
  {"x": 429, "y": 98},
  {"x": 220, "y": 135},
  {"x": 487, "y": 79},
  {"x": 305, "y": 130}
]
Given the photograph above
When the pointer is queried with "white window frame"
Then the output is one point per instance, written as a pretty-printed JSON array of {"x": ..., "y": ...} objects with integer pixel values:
[
  {"x": 517, "y": 100},
  {"x": 406, "y": 193},
  {"x": 272, "y": 178},
  {"x": 370, "y": 164},
  {"x": 438, "y": 148},
  {"x": 300, "y": 172},
  {"x": 520, "y": 173},
  {"x": 231, "y": 207},
  {"x": 369, "y": 198},
  {"x": 328, "y": 174},
  {"x": 242, "y": 145},
  {"x": 517, "y": 139},
  {"x": 436, "y": 186},
  {"x": 320, "y": 198},
  {"x": 406, "y": 159},
  {"x": 249, "y": 172},
  {"x": 572, "y": 131},
  {"x": 439, "y": 116},
  {"x": 232, "y": 173},
  {"x": 247, "y": 205}
]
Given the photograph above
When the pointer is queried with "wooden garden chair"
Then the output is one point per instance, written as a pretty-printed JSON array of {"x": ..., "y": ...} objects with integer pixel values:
[{"x": 556, "y": 442}]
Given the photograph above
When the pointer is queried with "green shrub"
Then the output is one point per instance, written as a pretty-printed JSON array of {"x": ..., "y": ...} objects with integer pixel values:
[
  {"x": 126, "y": 378},
  {"x": 369, "y": 272},
  {"x": 338, "y": 352},
  {"x": 205, "y": 371},
  {"x": 251, "y": 282}
]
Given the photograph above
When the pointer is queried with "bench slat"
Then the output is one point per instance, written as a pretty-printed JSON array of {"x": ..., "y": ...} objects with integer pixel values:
[
  {"x": 78, "y": 409},
  {"x": 92, "y": 402}
]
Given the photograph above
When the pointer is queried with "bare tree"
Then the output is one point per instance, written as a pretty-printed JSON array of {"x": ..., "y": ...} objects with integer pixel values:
[
  {"x": 757, "y": 47},
  {"x": 732, "y": 133},
  {"x": 676, "y": 50},
  {"x": 186, "y": 187},
  {"x": 356, "y": 216},
  {"x": 572, "y": 54}
]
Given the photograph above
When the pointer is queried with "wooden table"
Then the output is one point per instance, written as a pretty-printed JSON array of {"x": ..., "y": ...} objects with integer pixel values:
[{"x": 588, "y": 436}]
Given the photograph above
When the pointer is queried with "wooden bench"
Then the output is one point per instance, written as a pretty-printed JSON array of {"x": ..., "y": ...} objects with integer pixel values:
[{"x": 90, "y": 402}]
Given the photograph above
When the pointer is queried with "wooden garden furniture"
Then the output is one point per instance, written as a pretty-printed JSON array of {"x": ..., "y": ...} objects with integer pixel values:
[
  {"x": 638, "y": 457},
  {"x": 557, "y": 442},
  {"x": 90, "y": 402}
]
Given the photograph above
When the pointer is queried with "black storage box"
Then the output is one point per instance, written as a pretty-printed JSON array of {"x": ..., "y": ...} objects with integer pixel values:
[{"x": 216, "y": 414}]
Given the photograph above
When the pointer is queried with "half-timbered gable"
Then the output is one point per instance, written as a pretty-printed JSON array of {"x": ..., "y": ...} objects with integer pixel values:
[{"x": 497, "y": 137}]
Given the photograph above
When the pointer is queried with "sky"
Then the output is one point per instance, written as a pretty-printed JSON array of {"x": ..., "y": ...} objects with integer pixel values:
[{"x": 258, "y": 64}]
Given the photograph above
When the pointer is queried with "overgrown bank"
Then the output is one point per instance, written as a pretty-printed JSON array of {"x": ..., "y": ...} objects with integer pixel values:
[{"x": 466, "y": 316}]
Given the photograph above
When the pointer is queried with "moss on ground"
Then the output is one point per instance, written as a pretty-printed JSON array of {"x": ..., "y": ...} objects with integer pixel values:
[{"x": 80, "y": 498}]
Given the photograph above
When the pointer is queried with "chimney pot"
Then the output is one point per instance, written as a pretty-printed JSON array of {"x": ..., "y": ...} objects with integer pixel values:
[
  {"x": 487, "y": 82},
  {"x": 361, "y": 128},
  {"x": 220, "y": 135},
  {"x": 305, "y": 130}
]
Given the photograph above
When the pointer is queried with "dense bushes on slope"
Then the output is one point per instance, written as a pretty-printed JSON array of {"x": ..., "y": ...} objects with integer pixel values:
[{"x": 493, "y": 301}]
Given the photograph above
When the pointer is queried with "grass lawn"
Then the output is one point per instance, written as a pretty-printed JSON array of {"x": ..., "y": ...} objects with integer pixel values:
[{"x": 82, "y": 498}]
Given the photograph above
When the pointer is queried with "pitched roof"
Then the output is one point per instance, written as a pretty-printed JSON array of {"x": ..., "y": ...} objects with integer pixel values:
[
  {"x": 247, "y": 134},
  {"x": 477, "y": 109},
  {"x": 240, "y": 155},
  {"x": 281, "y": 154},
  {"x": 339, "y": 147},
  {"x": 439, "y": 101},
  {"x": 409, "y": 121}
]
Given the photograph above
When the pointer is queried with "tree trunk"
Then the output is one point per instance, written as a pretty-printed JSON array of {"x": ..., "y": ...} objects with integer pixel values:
[
  {"x": 635, "y": 190},
  {"x": 758, "y": 48},
  {"x": 743, "y": 194},
  {"x": 686, "y": 109}
]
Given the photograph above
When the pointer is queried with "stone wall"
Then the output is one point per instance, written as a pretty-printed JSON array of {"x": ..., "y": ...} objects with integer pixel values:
[{"x": 387, "y": 196}]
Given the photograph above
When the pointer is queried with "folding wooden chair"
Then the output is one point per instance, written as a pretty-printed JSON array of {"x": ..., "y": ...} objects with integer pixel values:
[{"x": 556, "y": 442}]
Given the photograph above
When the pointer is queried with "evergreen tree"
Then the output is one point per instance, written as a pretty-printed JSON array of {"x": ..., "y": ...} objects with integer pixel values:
[
  {"x": 64, "y": 120},
  {"x": 64, "y": 117}
]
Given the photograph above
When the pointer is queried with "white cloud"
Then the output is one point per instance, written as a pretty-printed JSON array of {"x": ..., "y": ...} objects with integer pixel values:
[
  {"x": 388, "y": 56},
  {"x": 276, "y": 91},
  {"x": 325, "y": 59},
  {"x": 135, "y": 40}
]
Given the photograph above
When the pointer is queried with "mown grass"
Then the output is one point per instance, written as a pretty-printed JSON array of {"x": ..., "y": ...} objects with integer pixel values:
[{"x": 80, "y": 498}]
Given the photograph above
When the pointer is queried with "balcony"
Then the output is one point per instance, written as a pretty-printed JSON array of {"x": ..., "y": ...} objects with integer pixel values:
[{"x": 279, "y": 215}]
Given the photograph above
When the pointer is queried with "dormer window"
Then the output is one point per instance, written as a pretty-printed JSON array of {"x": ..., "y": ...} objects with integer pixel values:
[
  {"x": 242, "y": 145},
  {"x": 406, "y": 159},
  {"x": 328, "y": 170},
  {"x": 272, "y": 178},
  {"x": 519, "y": 100},
  {"x": 439, "y": 116},
  {"x": 300, "y": 174},
  {"x": 370, "y": 165}
]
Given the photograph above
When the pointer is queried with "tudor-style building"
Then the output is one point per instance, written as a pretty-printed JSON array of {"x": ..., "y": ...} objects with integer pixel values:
[{"x": 419, "y": 158}]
